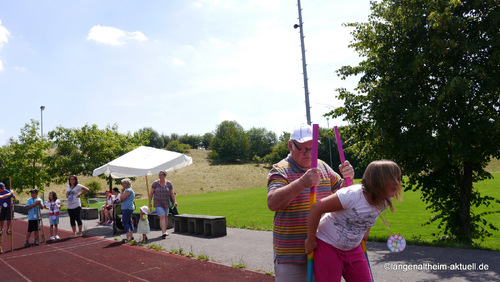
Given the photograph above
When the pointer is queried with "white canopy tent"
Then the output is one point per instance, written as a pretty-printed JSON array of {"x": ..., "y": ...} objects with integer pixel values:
[{"x": 143, "y": 161}]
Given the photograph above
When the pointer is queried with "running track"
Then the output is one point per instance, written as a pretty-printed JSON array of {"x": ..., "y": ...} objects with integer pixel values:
[{"x": 96, "y": 259}]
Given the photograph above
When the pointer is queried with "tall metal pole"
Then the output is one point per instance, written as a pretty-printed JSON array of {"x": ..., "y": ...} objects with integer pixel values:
[
  {"x": 41, "y": 128},
  {"x": 41, "y": 118},
  {"x": 304, "y": 69}
]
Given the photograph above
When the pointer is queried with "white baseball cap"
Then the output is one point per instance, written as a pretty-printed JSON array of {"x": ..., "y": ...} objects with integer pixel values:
[{"x": 302, "y": 133}]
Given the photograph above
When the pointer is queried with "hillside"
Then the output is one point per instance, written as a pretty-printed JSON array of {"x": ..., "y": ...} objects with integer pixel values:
[{"x": 200, "y": 177}]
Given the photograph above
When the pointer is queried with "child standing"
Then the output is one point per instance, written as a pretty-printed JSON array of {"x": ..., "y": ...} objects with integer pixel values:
[
  {"x": 6, "y": 199},
  {"x": 143, "y": 225},
  {"x": 349, "y": 214},
  {"x": 33, "y": 206},
  {"x": 54, "y": 205}
]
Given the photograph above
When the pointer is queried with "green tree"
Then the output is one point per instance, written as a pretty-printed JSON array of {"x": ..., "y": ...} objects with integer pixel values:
[
  {"x": 23, "y": 160},
  {"x": 261, "y": 141},
  {"x": 177, "y": 146},
  {"x": 428, "y": 98},
  {"x": 80, "y": 151},
  {"x": 155, "y": 139},
  {"x": 230, "y": 142},
  {"x": 278, "y": 151},
  {"x": 206, "y": 140},
  {"x": 194, "y": 141}
]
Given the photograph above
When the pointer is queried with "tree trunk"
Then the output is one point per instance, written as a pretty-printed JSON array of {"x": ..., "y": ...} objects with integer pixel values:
[{"x": 465, "y": 198}]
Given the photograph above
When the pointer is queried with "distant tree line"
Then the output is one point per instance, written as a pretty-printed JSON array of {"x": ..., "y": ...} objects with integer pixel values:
[{"x": 33, "y": 160}]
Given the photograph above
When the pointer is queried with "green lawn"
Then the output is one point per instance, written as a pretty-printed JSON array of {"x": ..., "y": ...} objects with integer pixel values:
[
  {"x": 411, "y": 214},
  {"x": 248, "y": 209}
]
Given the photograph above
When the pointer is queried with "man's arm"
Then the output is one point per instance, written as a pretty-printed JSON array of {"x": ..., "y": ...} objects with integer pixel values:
[{"x": 280, "y": 198}]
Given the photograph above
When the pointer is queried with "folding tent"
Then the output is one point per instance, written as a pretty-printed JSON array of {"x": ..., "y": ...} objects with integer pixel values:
[{"x": 143, "y": 161}]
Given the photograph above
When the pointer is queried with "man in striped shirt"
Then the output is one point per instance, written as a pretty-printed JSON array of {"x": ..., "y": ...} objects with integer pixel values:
[{"x": 288, "y": 185}]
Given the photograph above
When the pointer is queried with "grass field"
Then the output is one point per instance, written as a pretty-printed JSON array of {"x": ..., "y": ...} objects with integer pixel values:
[
  {"x": 228, "y": 190},
  {"x": 248, "y": 209}
]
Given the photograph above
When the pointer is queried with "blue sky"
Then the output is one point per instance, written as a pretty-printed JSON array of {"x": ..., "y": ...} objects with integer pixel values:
[{"x": 176, "y": 66}]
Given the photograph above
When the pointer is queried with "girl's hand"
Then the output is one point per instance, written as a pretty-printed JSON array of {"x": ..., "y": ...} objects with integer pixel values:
[{"x": 310, "y": 245}]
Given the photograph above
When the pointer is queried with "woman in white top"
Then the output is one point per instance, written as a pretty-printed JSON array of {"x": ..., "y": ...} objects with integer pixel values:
[{"x": 73, "y": 193}]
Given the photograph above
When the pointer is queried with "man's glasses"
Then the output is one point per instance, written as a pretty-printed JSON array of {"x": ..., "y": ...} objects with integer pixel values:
[{"x": 302, "y": 150}]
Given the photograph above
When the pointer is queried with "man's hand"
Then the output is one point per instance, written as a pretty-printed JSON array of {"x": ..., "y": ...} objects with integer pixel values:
[
  {"x": 347, "y": 170},
  {"x": 310, "y": 178}
]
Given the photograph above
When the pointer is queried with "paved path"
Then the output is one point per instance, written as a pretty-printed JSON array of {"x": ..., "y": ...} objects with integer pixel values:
[{"x": 254, "y": 250}]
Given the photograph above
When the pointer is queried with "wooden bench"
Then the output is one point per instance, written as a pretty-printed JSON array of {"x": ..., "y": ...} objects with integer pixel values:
[
  {"x": 212, "y": 226},
  {"x": 154, "y": 220}
]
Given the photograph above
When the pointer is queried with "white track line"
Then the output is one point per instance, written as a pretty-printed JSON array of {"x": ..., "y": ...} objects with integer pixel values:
[
  {"x": 100, "y": 264},
  {"x": 15, "y": 270}
]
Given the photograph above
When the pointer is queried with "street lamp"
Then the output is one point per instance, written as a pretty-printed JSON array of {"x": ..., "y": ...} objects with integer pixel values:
[
  {"x": 41, "y": 128},
  {"x": 41, "y": 114}
]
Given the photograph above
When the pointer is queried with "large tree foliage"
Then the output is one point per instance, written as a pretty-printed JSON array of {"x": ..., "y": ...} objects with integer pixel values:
[
  {"x": 261, "y": 141},
  {"x": 230, "y": 142},
  {"x": 155, "y": 139},
  {"x": 23, "y": 160},
  {"x": 428, "y": 98},
  {"x": 80, "y": 151}
]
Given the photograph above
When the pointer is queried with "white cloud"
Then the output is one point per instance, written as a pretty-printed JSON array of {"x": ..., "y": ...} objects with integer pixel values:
[
  {"x": 113, "y": 36},
  {"x": 20, "y": 68},
  {"x": 4, "y": 34},
  {"x": 178, "y": 62},
  {"x": 226, "y": 114}
]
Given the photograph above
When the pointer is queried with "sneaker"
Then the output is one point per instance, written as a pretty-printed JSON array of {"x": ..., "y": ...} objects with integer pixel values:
[
  {"x": 111, "y": 222},
  {"x": 57, "y": 237},
  {"x": 8, "y": 232},
  {"x": 1, "y": 232},
  {"x": 52, "y": 238},
  {"x": 36, "y": 243},
  {"x": 27, "y": 244}
]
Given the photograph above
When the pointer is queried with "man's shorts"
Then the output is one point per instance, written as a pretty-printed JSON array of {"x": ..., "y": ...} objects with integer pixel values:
[
  {"x": 32, "y": 225},
  {"x": 5, "y": 214}
]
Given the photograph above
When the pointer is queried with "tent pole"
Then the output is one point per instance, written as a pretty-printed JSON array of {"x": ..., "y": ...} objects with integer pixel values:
[{"x": 147, "y": 187}]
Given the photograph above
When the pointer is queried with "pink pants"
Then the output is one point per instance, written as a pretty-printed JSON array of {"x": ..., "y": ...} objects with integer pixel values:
[{"x": 330, "y": 264}]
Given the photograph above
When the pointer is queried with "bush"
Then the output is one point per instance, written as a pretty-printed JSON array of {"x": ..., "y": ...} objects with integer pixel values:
[{"x": 94, "y": 188}]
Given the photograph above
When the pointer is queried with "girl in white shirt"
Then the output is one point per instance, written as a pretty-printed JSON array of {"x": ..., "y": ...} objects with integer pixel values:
[
  {"x": 54, "y": 205},
  {"x": 349, "y": 213}
]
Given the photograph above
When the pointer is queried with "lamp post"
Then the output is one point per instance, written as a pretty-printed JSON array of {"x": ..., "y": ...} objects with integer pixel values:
[
  {"x": 41, "y": 118},
  {"x": 41, "y": 129}
]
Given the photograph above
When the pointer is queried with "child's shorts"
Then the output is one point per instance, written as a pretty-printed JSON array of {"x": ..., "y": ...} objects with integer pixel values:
[
  {"x": 32, "y": 225},
  {"x": 54, "y": 220}
]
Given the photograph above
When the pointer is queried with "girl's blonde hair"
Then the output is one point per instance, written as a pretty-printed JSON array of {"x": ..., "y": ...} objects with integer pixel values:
[
  {"x": 379, "y": 175},
  {"x": 127, "y": 182}
]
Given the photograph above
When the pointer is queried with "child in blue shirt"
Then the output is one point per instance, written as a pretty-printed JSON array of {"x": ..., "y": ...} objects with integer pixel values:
[{"x": 34, "y": 206}]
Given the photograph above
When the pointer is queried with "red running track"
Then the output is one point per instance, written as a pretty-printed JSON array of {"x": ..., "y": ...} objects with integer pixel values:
[{"x": 96, "y": 259}]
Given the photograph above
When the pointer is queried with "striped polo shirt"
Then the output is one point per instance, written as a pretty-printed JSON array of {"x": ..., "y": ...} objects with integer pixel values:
[{"x": 290, "y": 223}]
